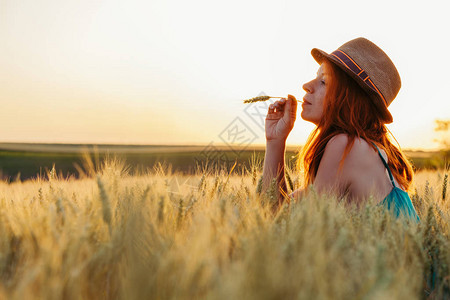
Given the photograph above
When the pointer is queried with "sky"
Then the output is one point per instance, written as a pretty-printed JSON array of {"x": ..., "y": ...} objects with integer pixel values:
[{"x": 176, "y": 72}]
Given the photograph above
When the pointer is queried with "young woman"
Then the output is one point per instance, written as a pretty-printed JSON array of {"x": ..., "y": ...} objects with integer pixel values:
[{"x": 349, "y": 152}]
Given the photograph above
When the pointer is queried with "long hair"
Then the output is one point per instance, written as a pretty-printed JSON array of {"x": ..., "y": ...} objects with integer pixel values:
[{"x": 348, "y": 109}]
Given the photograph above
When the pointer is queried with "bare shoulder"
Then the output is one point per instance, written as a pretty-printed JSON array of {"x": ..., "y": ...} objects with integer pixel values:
[
  {"x": 346, "y": 174},
  {"x": 336, "y": 145},
  {"x": 361, "y": 172},
  {"x": 329, "y": 174},
  {"x": 332, "y": 156},
  {"x": 338, "y": 140},
  {"x": 358, "y": 153}
]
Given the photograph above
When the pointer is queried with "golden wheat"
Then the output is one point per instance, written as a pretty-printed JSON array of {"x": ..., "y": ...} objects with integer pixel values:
[{"x": 213, "y": 240}]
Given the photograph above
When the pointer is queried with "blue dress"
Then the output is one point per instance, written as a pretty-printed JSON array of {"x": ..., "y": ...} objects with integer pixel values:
[{"x": 398, "y": 200}]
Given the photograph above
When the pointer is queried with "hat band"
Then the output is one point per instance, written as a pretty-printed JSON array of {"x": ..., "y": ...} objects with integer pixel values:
[{"x": 347, "y": 61}]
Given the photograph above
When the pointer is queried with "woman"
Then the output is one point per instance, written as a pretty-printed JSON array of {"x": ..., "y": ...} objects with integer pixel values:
[{"x": 349, "y": 151}]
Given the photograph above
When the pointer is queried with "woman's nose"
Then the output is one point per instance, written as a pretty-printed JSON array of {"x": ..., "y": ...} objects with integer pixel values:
[{"x": 307, "y": 87}]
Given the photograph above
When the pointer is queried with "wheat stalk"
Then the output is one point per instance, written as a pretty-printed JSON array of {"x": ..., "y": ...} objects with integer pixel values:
[
  {"x": 261, "y": 98},
  {"x": 444, "y": 187},
  {"x": 106, "y": 207}
]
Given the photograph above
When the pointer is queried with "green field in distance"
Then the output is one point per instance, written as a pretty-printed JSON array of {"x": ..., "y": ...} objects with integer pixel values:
[{"x": 25, "y": 160}]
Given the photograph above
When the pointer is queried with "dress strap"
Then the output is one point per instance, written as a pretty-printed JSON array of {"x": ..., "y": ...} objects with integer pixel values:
[{"x": 385, "y": 164}]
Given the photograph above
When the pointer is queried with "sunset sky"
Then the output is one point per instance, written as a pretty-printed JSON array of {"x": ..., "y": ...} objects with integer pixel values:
[{"x": 176, "y": 72}]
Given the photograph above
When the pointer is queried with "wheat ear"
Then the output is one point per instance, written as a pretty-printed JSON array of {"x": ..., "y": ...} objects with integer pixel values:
[{"x": 262, "y": 98}]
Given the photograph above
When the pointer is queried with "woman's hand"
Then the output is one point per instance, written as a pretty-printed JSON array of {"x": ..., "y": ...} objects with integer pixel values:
[{"x": 280, "y": 119}]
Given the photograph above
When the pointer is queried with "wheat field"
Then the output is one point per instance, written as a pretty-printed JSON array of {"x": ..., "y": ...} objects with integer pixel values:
[{"x": 164, "y": 235}]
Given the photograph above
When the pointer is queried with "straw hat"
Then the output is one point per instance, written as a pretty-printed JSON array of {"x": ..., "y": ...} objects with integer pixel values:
[{"x": 370, "y": 67}]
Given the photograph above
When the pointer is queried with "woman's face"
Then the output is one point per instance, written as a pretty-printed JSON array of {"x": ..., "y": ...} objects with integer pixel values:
[{"x": 312, "y": 107}]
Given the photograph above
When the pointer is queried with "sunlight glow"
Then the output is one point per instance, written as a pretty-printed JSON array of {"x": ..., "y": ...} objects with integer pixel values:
[{"x": 175, "y": 72}]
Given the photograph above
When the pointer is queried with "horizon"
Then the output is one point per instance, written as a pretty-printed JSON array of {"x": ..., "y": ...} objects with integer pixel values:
[{"x": 222, "y": 145}]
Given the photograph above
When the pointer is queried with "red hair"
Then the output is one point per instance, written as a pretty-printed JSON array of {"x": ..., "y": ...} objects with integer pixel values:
[{"x": 348, "y": 109}]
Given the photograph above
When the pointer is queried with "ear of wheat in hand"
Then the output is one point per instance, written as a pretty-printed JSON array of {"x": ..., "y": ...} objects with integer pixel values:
[{"x": 260, "y": 98}]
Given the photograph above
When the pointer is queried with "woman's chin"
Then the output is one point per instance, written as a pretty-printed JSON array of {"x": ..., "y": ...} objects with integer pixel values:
[
  {"x": 305, "y": 116},
  {"x": 308, "y": 118}
]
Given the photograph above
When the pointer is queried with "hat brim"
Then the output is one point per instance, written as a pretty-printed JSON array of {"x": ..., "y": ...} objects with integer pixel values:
[{"x": 320, "y": 55}]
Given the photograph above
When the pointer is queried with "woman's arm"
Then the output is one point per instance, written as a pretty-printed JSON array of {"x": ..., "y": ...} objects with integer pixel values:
[
  {"x": 274, "y": 169},
  {"x": 279, "y": 122}
]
